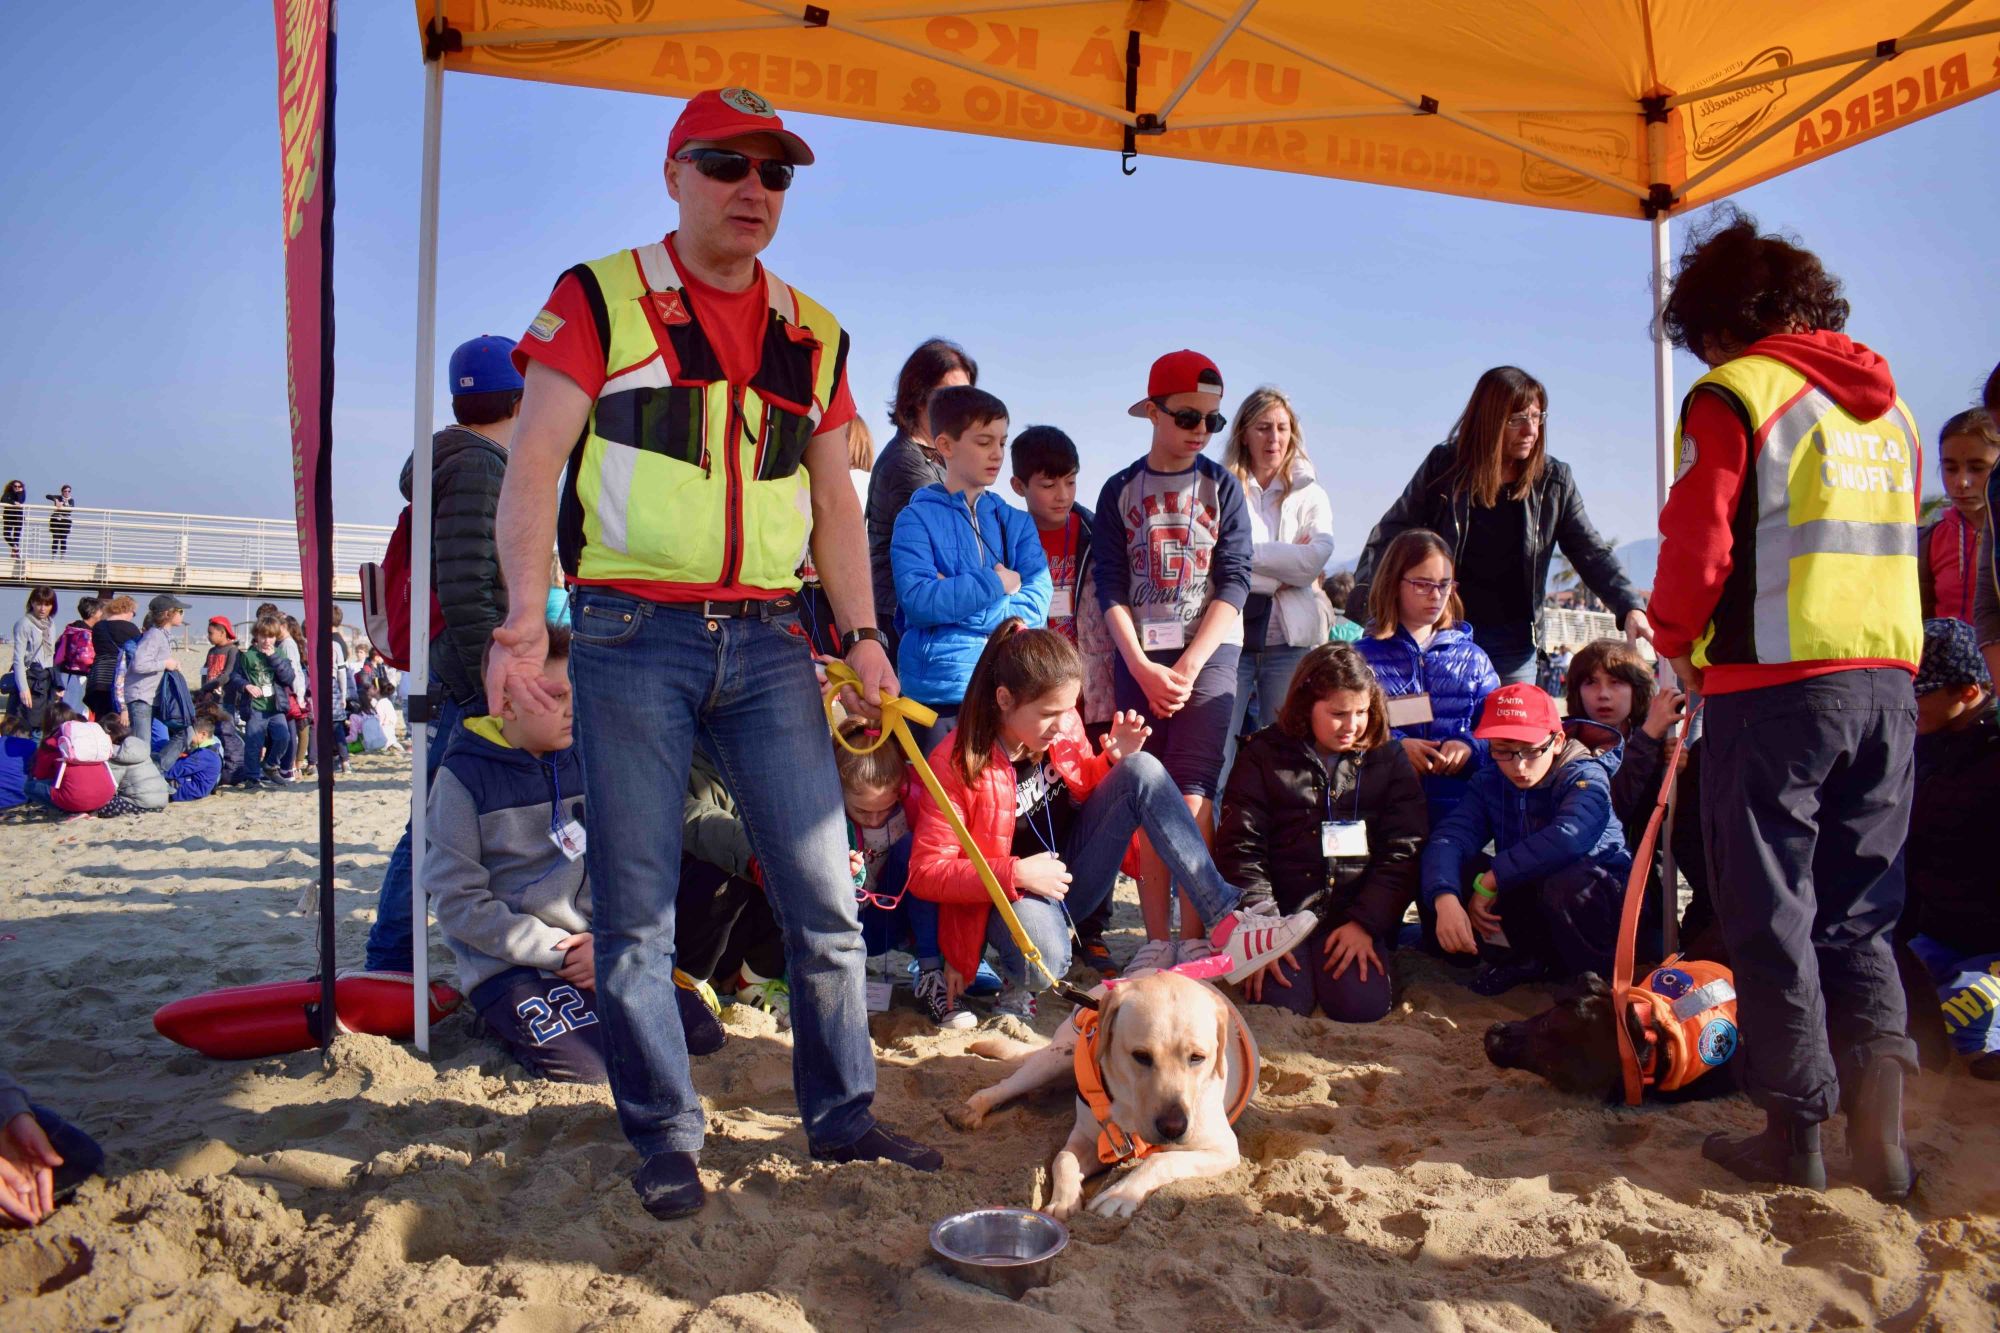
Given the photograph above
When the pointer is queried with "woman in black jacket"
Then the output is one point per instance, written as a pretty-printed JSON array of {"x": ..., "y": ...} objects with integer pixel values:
[
  {"x": 1324, "y": 811},
  {"x": 1505, "y": 507}
]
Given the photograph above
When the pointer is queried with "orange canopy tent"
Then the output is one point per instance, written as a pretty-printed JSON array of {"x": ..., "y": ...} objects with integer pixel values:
[{"x": 1633, "y": 108}]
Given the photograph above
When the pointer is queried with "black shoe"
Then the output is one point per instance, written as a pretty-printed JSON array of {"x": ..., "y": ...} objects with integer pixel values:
[
  {"x": 704, "y": 1031},
  {"x": 669, "y": 1186},
  {"x": 1096, "y": 955},
  {"x": 1875, "y": 1149},
  {"x": 1499, "y": 978},
  {"x": 1987, "y": 1066},
  {"x": 1786, "y": 1153},
  {"x": 883, "y": 1145}
]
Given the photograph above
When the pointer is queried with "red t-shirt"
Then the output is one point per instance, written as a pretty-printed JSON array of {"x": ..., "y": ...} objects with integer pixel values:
[
  {"x": 564, "y": 337},
  {"x": 1065, "y": 573}
]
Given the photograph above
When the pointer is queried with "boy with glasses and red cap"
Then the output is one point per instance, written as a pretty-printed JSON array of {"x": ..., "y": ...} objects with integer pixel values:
[
  {"x": 1546, "y": 902},
  {"x": 1172, "y": 552}
]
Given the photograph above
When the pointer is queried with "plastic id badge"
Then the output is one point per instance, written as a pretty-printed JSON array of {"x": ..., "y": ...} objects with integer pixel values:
[
  {"x": 878, "y": 997},
  {"x": 1343, "y": 839},
  {"x": 570, "y": 839},
  {"x": 1410, "y": 710},
  {"x": 1162, "y": 635},
  {"x": 1061, "y": 606}
]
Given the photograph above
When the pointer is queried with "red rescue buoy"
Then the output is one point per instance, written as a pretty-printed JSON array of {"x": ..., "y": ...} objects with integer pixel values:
[{"x": 248, "y": 1022}]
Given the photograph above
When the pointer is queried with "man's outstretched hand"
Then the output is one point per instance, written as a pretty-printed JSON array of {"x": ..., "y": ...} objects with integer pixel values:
[
  {"x": 514, "y": 668},
  {"x": 870, "y": 662}
]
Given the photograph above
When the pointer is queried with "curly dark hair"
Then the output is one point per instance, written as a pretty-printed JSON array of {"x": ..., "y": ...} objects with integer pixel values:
[{"x": 1735, "y": 285}]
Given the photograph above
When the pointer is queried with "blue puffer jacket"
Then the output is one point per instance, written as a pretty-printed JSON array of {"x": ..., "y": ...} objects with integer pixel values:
[
  {"x": 1562, "y": 819},
  {"x": 1458, "y": 676},
  {"x": 948, "y": 597}
]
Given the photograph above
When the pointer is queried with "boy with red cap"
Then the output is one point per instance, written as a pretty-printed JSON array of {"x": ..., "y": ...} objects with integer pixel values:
[
  {"x": 1546, "y": 902},
  {"x": 1172, "y": 552}
]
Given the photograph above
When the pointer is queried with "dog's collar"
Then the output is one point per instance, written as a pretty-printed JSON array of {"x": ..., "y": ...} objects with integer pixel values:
[
  {"x": 1115, "y": 1144},
  {"x": 1682, "y": 1021}
]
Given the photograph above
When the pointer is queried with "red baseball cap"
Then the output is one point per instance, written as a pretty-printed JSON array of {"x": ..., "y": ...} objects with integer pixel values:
[
  {"x": 223, "y": 621},
  {"x": 1519, "y": 712},
  {"x": 720, "y": 114},
  {"x": 1179, "y": 372}
]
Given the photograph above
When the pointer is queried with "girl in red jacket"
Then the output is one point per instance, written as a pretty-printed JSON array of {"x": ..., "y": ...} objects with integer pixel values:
[{"x": 1053, "y": 820}]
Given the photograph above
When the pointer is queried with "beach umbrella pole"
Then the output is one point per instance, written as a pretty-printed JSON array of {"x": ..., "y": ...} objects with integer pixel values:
[{"x": 420, "y": 551}]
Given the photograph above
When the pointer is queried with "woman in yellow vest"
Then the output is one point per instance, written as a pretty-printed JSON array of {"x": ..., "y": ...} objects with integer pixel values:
[{"x": 1787, "y": 595}]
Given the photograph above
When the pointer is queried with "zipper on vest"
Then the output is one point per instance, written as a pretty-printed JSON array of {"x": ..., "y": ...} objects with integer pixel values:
[{"x": 732, "y": 462}]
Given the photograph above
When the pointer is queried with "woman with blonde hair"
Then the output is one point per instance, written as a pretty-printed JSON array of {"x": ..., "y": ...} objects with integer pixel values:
[
  {"x": 1291, "y": 526},
  {"x": 1504, "y": 507}
]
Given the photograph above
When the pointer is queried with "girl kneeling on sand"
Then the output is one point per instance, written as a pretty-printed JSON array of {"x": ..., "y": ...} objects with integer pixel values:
[
  {"x": 1053, "y": 821},
  {"x": 1324, "y": 812}
]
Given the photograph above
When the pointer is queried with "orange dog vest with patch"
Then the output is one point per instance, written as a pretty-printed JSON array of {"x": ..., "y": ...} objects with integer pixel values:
[
  {"x": 1114, "y": 1144},
  {"x": 1687, "y": 1013}
]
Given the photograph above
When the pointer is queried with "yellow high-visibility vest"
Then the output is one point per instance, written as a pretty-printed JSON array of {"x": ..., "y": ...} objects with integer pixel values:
[
  {"x": 681, "y": 479},
  {"x": 1825, "y": 562}
]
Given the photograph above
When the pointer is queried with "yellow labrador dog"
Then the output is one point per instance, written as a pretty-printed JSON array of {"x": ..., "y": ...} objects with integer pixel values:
[{"x": 1162, "y": 1071}]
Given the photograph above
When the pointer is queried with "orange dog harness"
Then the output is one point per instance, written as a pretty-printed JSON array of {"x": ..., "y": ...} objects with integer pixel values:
[
  {"x": 1116, "y": 1145},
  {"x": 1684, "y": 1020}
]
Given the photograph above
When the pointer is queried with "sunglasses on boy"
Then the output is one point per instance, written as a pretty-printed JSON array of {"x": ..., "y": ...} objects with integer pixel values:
[
  {"x": 1526, "y": 756},
  {"x": 721, "y": 164},
  {"x": 1187, "y": 418}
]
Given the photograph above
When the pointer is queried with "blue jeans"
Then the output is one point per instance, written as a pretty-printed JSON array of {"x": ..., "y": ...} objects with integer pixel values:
[
  {"x": 1263, "y": 674},
  {"x": 390, "y": 947},
  {"x": 1137, "y": 794},
  {"x": 267, "y": 738},
  {"x": 650, "y": 680}
]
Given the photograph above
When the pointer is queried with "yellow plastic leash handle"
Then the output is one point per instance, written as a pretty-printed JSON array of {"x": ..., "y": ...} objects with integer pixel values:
[{"x": 897, "y": 714}]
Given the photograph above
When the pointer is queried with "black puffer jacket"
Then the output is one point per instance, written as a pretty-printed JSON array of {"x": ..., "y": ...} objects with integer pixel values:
[
  {"x": 466, "y": 472},
  {"x": 1950, "y": 852},
  {"x": 1269, "y": 837},
  {"x": 1555, "y": 519}
]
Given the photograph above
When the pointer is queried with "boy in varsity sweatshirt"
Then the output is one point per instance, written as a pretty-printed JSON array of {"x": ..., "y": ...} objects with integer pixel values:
[
  {"x": 506, "y": 878},
  {"x": 1172, "y": 553}
]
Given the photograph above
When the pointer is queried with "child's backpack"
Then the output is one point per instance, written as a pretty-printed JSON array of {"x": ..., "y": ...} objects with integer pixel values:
[
  {"x": 385, "y": 598},
  {"x": 174, "y": 704},
  {"x": 76, "y": 650},
  {"x": 80, "y": 743}
]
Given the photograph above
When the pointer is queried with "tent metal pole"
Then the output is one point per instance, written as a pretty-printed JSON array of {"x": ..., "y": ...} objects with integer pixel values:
[
  {"x": 1663, "y": 477},
  {"x": 1200, "y": 66},
  {"x": 1915, "y": 42},
  {"x": 420, "y": 546}
]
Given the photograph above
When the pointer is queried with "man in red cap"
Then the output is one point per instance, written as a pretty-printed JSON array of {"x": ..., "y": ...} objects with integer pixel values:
[{"x": 696, "y": 407}]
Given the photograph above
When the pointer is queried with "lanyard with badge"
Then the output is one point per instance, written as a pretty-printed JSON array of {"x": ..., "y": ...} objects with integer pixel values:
[
  {"x": 1412, "y": 710},
  {"x": 1343, "y": 839},
  {"x": 567, "y": 835},
  {"x": 1062, "y": 602}
]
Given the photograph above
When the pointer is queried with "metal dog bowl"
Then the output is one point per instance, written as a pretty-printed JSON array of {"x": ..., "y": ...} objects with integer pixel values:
[{"x": 1008, "y": 1250}]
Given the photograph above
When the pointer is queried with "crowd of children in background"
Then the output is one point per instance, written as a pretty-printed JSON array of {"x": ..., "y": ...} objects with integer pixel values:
[{"x": 101, "y": 721}]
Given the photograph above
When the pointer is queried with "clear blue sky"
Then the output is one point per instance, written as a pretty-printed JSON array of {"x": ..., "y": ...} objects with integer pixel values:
[{"x": 141, "y": 359}]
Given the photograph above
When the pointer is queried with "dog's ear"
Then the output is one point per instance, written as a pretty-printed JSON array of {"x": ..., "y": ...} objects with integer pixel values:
[
  {"x": 1107, "y": 1013},
  {"x": 1223, "y": 1037},
  {"x": 1586, "y": 986}
]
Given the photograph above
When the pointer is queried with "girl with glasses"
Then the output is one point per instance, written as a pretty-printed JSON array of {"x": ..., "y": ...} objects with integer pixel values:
[
  {"x": 1504, "y": 508},
  {"x": 1432, "y": 669}
]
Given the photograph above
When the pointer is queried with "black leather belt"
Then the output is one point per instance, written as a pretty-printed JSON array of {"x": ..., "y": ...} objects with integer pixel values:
[{"x": 750, "y": 608}]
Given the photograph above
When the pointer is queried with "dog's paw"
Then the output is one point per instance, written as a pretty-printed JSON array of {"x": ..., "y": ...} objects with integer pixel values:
[
  {"x": 1062, "y": 1209},
  {"x": 968, "y": 1117},
  {"x": 1117, "y": 1201}
]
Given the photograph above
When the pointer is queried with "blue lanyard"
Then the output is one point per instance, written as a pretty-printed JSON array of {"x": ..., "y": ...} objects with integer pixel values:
[
  {"x": 1047, "y": 840},
  {"x": 555, "y": 807}
]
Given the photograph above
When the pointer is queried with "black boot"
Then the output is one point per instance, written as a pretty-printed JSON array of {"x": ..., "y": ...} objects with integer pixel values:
[
  {"x": 1786, "y": 1153},
  {"x": 1875, "y": 1146},
  {"x": 669, "y": 1186}
]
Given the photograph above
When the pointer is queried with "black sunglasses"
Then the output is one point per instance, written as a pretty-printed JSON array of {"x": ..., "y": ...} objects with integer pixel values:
[
  {"x": 1187, "y": 418},
  {"x": 720, "y": 164}
]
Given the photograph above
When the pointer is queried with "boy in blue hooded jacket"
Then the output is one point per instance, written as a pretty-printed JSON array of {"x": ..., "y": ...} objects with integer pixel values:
[
  {"x": 1551, "y": 892},
  {"x": 964, "y": 560}
]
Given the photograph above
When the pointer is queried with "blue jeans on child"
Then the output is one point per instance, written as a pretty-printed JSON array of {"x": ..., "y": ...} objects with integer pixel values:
[
  {"x": 267, "y": 738},
  {"x": 1344, "y": 999},
  {"x": 650, "y": 680},
  {"x": 1262, "y": 675},
  {"x": 1137, "y": 794},
  {"x": 389, "y": 939}
]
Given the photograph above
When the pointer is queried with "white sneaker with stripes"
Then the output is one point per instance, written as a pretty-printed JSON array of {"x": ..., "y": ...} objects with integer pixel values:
[{"x": 1255, "y": 934}]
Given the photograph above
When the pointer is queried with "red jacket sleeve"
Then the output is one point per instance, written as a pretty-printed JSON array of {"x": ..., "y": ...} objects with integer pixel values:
[
  {"x": 940, "y": 871},
  {"x": 1696, "y": 552}
]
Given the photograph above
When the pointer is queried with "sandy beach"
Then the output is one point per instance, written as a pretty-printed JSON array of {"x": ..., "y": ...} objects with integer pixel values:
[{"x": 1392, "y": 1179}]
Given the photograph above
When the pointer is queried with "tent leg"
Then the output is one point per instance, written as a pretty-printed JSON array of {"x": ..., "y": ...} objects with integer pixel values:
[
  {"x": 420, "y": 545},
  {"x": 1663, "y": 477}
]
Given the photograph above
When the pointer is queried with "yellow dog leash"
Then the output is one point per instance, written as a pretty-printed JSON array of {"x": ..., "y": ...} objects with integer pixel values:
[{"x": 897, "y": 715}]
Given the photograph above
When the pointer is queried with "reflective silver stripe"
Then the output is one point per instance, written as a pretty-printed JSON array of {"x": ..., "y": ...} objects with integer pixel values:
[
  {"x": 615, "y": 466},
  {"x": 658, "y": 267},
  {"x": 1771, "y": 614},
  {"x": 1715, "y": 994},
  {"x": 652, "y": 375},
  {"x": 779, "y": 295},
  {"x": 1833, "y": 536}
]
